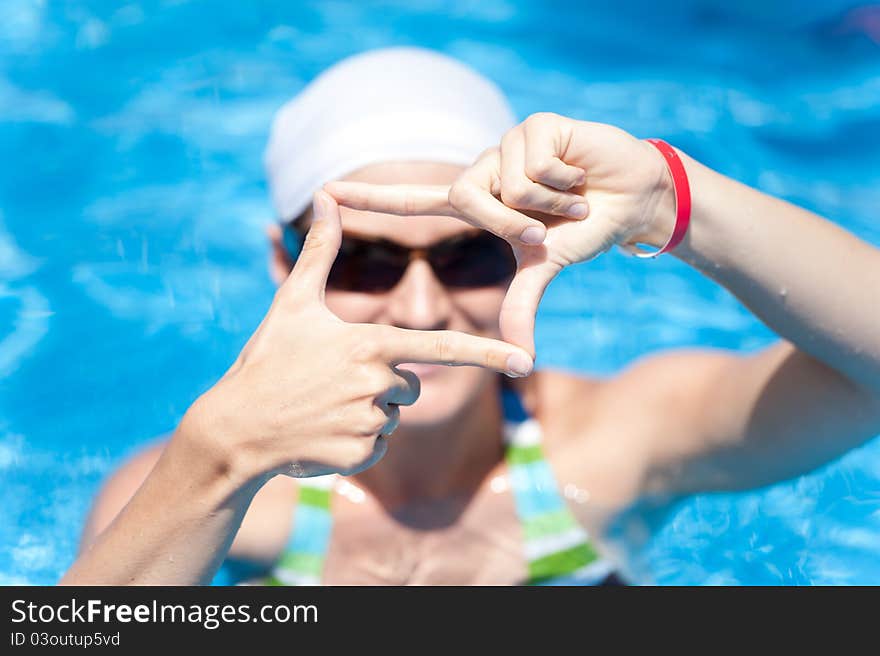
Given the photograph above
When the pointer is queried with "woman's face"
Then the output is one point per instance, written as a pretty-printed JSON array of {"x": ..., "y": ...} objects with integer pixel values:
[{"x": 419, "y": 301}]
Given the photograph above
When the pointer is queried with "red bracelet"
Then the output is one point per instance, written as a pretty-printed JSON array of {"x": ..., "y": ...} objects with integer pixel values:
[{"x": 682, "y": 200}]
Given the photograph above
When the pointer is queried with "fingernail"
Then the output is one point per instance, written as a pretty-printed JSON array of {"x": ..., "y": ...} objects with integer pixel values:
[
  {"x": 519, "y": 364},
  {"x": 533, "y": 235},
  {"x": 577, "y": 211},
  {"x": 320, "y": 207}
]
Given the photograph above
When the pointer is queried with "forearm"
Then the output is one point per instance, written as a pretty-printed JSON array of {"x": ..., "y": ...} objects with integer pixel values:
[
  {"x": 784, "y": 411},
  {"x": 809, "y": 280},
  {"x": 177, "y": 528}
]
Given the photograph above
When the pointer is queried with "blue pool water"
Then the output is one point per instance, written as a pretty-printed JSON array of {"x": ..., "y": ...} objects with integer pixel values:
[{"x": 132, "y": 206}]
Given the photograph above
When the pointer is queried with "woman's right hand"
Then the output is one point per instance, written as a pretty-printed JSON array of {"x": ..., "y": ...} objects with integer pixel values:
[{"x": 311, "y": 394}]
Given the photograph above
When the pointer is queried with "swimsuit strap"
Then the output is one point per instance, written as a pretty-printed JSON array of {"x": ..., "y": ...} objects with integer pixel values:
[
  {"x": 558, "y": 550},
  {"x": 303, "y": 560}
]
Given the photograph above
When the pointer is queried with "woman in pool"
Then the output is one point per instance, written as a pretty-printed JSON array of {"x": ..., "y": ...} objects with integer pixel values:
[{"x": 485, "y": 480}]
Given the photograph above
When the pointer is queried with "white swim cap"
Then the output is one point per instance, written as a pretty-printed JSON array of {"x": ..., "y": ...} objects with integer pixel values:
[{"x": 394, "y": 104}]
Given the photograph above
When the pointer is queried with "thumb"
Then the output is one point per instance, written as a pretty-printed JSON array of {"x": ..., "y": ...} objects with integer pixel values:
[
  {"x": 322, "y": 243},
  {"x": 520, "y": 306}
]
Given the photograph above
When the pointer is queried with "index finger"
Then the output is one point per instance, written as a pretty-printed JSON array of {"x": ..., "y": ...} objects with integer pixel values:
[
  {"x": 402, "y": 199},
  {"x": 450, "y": 347}
]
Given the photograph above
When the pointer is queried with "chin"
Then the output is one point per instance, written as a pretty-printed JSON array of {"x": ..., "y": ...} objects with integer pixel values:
[{"x": 445, "y": 392}]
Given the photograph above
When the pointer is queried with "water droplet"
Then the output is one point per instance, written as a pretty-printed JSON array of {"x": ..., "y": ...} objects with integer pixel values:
[
  {"x": 576, "y": 494},
  {"x": 498, "y": 484},
  {"x": 350, "y": 491}
]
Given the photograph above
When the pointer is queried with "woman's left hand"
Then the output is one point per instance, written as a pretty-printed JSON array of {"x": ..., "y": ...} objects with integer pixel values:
[{"x": 560, "y": 191}]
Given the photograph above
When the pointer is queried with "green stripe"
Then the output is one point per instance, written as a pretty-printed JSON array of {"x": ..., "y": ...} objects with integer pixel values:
[
  {"x": 523, "y": 455},
  {"x": 272, "y": 580},
  {"x": 553, "y": 522},
  {"x": 311, "y": 496},
  {"x": 561, "y": 562},
  {"x": 302, "y": 563}
]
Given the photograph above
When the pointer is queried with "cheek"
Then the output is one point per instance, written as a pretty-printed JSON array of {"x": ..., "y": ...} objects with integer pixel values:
[
  {"x": 481, "y": 306},
  {"x": 354, "y": 307}
]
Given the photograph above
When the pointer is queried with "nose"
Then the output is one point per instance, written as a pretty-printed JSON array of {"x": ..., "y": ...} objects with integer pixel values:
[{"x": 420, "y": 301}]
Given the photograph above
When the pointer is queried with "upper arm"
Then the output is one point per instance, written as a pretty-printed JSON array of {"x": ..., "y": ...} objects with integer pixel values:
[
  {"x": 725, "y": 421},
  {"x": 117, "y": 492}
]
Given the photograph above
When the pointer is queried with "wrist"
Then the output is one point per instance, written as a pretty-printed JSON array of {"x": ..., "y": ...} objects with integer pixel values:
[
  {"x": 206, "y": 445},
  {"x": 659, "y": 207}
]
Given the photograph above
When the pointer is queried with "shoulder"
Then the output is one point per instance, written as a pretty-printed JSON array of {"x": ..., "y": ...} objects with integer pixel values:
[
  {"x": 560, "y": 400},
  {"x": 647, "y": 384},
  {"x": 604, "y": 434},
  {"x": 668, "y": 390}
]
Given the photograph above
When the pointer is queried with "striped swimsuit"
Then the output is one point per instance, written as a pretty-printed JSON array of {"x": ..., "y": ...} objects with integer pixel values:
[{"x": 557, "y": 549}]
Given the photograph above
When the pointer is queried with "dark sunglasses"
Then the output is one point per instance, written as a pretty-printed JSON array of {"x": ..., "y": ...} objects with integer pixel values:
[{"x": 466, "y": 261}]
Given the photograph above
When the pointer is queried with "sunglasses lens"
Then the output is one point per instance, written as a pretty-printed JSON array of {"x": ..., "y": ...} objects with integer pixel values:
[
  {"x": 365, "y": 267},
  {"x": 470, "y": 261},
  {"x": 481, "y": 261}
]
